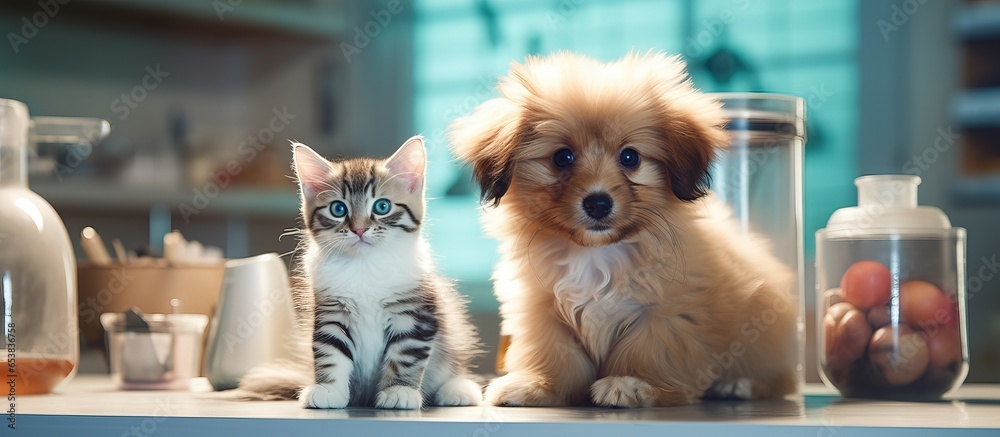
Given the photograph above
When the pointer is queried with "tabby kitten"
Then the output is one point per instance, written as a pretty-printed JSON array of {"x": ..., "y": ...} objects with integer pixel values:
[{"x": 386, "y": 330}]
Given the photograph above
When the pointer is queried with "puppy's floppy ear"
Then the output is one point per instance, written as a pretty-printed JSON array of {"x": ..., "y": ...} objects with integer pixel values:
[
  {"x": 693, "y": 126},
  {"x": 487, "y": 139},
  {"x": 694, "y": 147}
]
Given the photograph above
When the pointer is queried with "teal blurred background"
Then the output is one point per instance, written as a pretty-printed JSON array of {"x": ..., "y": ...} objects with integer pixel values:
[
  {"x": 807, "y": 49},
  {"x": 881, "y": 79}
]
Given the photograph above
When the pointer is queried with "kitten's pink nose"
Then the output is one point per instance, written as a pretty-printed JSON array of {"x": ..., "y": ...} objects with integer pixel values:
[{"x": 359, "y": 231}]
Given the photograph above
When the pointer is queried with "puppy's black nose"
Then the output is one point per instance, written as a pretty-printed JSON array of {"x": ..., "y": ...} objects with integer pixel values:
[{"x": 597, "y": 206}]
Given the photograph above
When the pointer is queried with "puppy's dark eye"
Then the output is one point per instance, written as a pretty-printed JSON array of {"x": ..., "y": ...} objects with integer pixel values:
[
  {"x": 563, "y": 158},
  {"x": 629, "y": 157}
]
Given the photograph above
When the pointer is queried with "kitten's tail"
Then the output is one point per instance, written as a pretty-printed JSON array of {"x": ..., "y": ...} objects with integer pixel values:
[{"x": 277, "y": 380}]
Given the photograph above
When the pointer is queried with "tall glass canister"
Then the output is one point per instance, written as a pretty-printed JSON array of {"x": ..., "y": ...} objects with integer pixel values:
[
  {"x": 759, "y": 175},
  {"x": 37, "y": 266}
]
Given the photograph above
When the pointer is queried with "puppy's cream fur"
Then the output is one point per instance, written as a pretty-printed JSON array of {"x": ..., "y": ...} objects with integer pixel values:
[{"x": 667, "y": 301}]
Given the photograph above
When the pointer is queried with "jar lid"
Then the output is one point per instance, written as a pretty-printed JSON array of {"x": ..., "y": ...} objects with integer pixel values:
[
  {"x": 756, "y": 117},
  {"x": 887, "y": 205}
]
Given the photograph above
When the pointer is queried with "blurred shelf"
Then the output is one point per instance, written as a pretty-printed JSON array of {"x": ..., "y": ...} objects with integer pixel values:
[
  {"x": 984, "y": 191},
  {"x": 977, "y": 108},
  {"x": 116, "y": 197},
  {"x": 978, "y": 21},
  {"x": 295, "y": 19}
]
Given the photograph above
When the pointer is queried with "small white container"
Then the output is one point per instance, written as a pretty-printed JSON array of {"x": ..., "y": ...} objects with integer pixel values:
[
  {"x": 164, "y": 357},
  {"x": 253, "y": 320}
]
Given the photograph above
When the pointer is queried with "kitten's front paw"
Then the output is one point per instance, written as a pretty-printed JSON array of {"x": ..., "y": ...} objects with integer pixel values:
[
  {"x": 459, "y": 391},
  {"x": 739, "y": 390},
  {"x": 518, "y": 389},
  {"x": 622, "y": 391},
  {"x": 399, "y": 397},
  {"x": 325, "y": 396}
]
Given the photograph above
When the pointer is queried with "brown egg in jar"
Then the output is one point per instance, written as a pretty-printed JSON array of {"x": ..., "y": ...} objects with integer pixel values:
[
  {"x": 833, "y": 296},
  {"x": 899, "y": 363},
  {"x": 922, "y": 303},
  {"x": 879, "y": 317},
  {"x": 944, "y": 346},
  {"x": 866, "y": 284},
  {"x": 846, "y": 331}
]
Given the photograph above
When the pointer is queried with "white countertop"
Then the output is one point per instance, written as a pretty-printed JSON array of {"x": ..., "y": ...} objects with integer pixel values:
[{"x": 89, "y": 406}]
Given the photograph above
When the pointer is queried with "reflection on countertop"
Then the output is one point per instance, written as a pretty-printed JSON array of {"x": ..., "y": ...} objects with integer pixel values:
[{"x": 90, "y": 402}]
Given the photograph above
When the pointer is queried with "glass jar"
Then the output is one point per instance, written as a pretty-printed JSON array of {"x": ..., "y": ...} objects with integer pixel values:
[
  {"x": 37, "y": 265},
  {"x": 160, "y": 352},
  {"x": 891, "y": 295},
  {"x": 759, "y": 175}
]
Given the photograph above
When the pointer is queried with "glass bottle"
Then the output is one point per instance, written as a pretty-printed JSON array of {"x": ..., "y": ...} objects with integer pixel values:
[{"x": 37, "y": 265}]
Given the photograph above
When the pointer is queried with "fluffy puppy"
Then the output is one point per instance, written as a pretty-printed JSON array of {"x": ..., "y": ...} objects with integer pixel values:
[{"x": 621, "y": 283}]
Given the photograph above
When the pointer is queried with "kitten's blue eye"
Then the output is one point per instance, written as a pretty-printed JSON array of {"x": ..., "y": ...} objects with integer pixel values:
[
  {"x": 382, "y": 207},
  {"x": 563, "y": 158},
  {"x": 629, "y": 157},
  {"x": 338, "y": 209}
]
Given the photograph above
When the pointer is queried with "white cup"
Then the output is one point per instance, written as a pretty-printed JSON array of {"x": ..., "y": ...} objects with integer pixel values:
[{"x": 254, "y": 320}]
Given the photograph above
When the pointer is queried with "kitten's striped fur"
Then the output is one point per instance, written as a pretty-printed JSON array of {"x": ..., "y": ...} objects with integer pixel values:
[{"x": 386, "y": 330}]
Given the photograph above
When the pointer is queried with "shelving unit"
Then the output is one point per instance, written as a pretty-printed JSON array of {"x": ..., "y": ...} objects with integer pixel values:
[
  {"x": 972, "y": 191},
  {"x": 302, "y": 20},
  {"x": 229, "y": 64},
  {"x": 976, "y": 108},
  {"x": 979, "y": 20},
  {"x": 241, "y": 201}
]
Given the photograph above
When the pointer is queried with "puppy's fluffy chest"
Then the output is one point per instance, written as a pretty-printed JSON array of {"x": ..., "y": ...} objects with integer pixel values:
[{"x": 594, "y": 295}]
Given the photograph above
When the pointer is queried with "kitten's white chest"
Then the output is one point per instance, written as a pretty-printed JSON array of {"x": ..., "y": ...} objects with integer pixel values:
[
  {"x": 365, "y": 282},
  {"x": 383, "y": 271},
  {"x": 368, "y": 330}
]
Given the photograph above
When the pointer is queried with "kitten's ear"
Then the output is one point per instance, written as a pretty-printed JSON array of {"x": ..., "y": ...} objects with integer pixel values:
[
  {"x": 311, "y": 169},
  {"x": 409, "y": 162}
]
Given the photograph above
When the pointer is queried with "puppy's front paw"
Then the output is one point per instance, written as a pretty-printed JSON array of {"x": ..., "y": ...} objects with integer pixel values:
[
  {"x": 399, "y": 397},
  {"x": 459, "y": 391},
  {"x": 325, "y": 396},
  {"x": 622, "y": 391},
  {"x": 520, "y": 390},
  {"x": 740, "y": 389}
]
